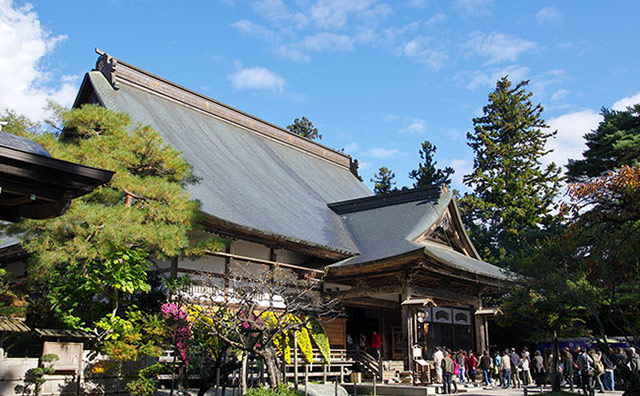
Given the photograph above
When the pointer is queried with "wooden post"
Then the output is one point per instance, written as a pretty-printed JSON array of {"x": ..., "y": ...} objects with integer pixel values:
[
  {"x": 295, "y": 359},
  {"x": 324, "y": 373},
  {"x": 336, "y": 388},
  {"x": 306, "y": 379},
  {"x": 375, "y": 377}
]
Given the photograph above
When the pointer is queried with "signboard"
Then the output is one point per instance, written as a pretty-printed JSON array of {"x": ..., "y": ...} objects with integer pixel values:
[
  {"x": 69, "y": 354},
  {"x": 461, "y": 317},
  {"x": 441, "y": 315}
]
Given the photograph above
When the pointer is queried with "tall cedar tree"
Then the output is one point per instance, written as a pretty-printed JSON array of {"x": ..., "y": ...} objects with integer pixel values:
[
  {"x": 427, "y": 174},
  {"x": 614, "y": 143},
  {"x": 512, "y": 192},
  {"x": 98, "y": 252},
  {"x": 384, "y": 183},
  {"x": 303, "y": 127}
]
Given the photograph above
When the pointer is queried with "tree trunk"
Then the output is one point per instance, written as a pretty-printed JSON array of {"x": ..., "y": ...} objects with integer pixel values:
[
  {"x": 271, "y": 361},
  {"x": 556, "y": 379},
  {"x": 243, "y": 374}
]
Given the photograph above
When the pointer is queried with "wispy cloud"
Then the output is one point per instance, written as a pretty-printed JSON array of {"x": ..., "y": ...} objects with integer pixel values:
[
  {"x": 334, "y": 14},
  {"x": 473, "y": 7},
  {"x": 414, "y": 126},
  {"x": 498, "y": 47},
  {"x": 422, "y": 50},
  {"x": 488, "y": 78},
  {"x": 559, "y": 95},
  {"x": 256, "y": 78},
  {"x": 436, "y": 19},
  {"x": 328, "y": 42},
  {"x": 549, "y": 15},
  {"x": 381, "y": 152},
  {"x": 25, "y": 86}
]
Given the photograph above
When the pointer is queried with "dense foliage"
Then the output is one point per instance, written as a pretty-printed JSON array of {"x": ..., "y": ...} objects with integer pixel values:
[{"x": 615, "y": 142}]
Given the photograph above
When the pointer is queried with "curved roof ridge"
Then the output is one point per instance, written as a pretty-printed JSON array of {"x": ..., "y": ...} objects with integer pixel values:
[{"x": 117, "y": 71}]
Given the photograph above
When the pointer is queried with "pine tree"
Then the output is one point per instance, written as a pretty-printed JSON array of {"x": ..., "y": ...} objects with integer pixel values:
[
  {"x": 303, "y": 127},
  {"x": 383, "y": 180},
  {"x": 512, "y": 192},
  {"x": 427, "y": 174},
  {"x": 100, "y": 249},
  {"x": 614, "y": 143}
]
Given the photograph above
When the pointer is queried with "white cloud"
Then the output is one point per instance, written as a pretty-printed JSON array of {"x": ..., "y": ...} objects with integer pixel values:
[
  {"x": 328, "y": 42},
  {"x": 421, "y": 50},
  {"x": 256, "y": 78},
  {"x": 623, "y": 103},
  {"x": 489, "y": 78},
  {"x": 549, "y": 15},
  {"x": 25, "y": 86},
  {"x": 569, "y": 142},
  {"x": 498, "y": 47},
  {"x": 414, "y": 126},
  {"x": 381, "y": 152}
]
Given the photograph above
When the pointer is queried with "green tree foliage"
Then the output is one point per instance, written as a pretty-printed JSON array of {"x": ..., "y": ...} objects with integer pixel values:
[
  {"x": 100, "y": 249},
  {"x": 384, "y": 183},
  {"x": 303, "y": 127},
  {"x": 614, "y": 143},
  {"x": 512, "y": 192},
  {"x": 584, "y": 281},
  {"x": 427, "y": 174}
]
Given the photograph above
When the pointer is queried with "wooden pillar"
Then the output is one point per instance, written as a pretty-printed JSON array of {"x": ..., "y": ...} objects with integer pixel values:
[{"x": 406, "y": 328}]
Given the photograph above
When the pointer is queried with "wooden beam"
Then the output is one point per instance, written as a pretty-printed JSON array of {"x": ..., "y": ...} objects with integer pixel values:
[
  {"x": 449, "y": 295},
  {"x": 372, "y": 303},
  {"x": 261, "y": 261},
  {"x": 365, "y": 292}
]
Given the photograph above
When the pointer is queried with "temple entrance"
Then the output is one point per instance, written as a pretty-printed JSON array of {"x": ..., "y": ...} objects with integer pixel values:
[{"x": 362, "y": 322}]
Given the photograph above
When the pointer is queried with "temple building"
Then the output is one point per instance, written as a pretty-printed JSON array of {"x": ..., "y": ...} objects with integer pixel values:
[{"x": 402, "y": 264}]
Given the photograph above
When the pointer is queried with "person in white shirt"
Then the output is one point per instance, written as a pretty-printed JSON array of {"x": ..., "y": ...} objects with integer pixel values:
[{"x": 438, "y": 356}]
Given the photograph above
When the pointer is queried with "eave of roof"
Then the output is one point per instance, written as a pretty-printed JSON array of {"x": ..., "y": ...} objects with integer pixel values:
[{"x": 39, "y": 186}]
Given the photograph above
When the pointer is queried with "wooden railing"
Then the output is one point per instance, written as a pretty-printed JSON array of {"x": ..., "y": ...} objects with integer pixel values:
[{"x": 366, "y": 362}]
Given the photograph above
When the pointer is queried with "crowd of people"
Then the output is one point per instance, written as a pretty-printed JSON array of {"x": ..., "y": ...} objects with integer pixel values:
[{"x": 587, "y": 369}]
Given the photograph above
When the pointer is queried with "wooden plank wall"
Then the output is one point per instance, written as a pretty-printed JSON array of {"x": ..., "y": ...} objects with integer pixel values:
[{"x": 337, "y": 332}]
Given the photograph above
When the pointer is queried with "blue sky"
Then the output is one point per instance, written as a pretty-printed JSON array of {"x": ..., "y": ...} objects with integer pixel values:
[{"x": 377, "y": 78}]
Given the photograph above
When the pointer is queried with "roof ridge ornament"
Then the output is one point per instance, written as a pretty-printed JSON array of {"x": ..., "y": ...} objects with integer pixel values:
[{"x": 106, "y": 64}]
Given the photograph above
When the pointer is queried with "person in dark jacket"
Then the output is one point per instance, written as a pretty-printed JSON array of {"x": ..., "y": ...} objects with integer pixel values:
[
  {"x": 447, "y": 372},
  {"x": 567, "y": 367}
]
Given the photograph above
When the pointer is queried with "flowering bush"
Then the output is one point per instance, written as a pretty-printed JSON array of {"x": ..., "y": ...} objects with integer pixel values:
[{"x": 181, "y": 332}]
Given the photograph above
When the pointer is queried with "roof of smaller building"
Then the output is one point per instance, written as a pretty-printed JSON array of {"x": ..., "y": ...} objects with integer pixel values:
[
  {"x": 388, "y": 226},
  {"x": 22, "y": 143}
]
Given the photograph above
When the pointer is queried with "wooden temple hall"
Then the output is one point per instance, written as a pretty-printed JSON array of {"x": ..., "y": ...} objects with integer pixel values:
[{"x": 402, "y": 264}]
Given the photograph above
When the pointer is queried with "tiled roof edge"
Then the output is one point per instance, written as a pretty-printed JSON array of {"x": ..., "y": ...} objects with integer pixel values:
[
  {"x": 115, "y": 70},
  {"x": 395, "y": 198}
]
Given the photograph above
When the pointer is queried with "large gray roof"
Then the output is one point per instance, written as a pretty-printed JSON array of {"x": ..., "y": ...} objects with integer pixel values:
[
  {"x": 387, "y": 226},
  {"x": 245, "y": 179}
]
